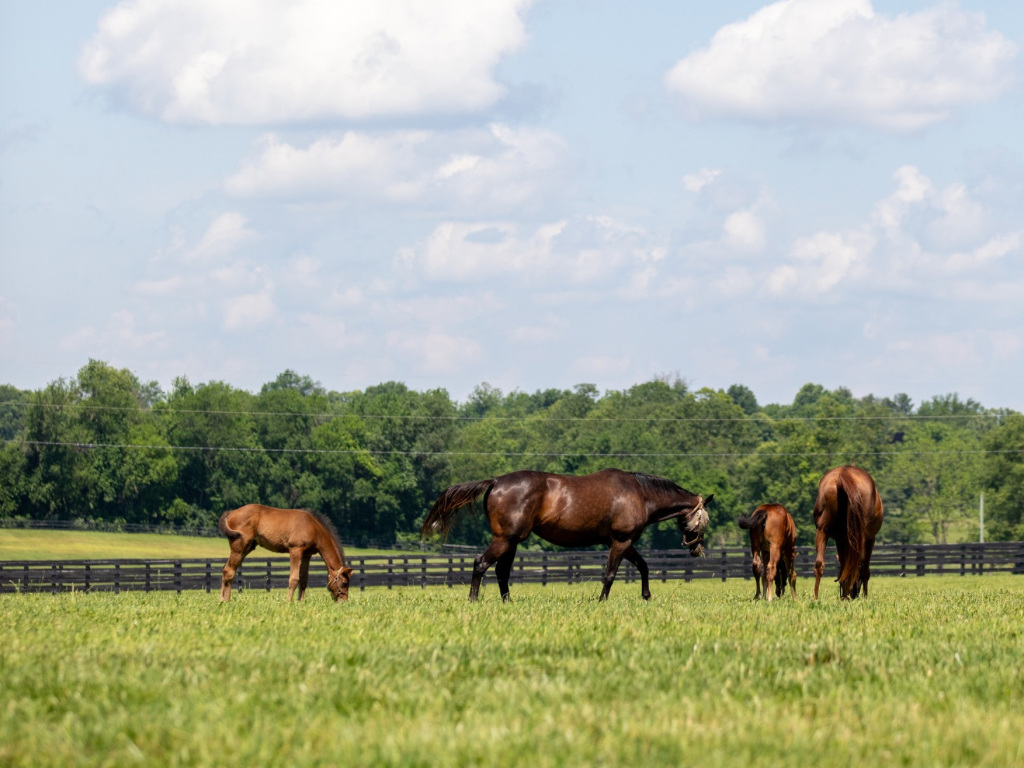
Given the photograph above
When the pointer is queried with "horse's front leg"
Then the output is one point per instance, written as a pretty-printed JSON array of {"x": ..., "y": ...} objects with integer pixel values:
[
  {"x": 641, "y": 566},
  {"x": 492, "y": 554},
  {"x": 239, "y": 549},
  {"x": 295, "y": 555},
  {"x": 615, "y": 555},
  {"x": 819, "y": 559}
]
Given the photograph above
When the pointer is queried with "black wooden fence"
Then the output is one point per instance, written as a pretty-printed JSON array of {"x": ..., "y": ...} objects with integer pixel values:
[{"x": 456, "y": 568}]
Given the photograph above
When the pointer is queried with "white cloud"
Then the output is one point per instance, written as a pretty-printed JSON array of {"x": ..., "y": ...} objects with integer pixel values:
[
  {"x": 435, "y": 352},
  {"x": 498, "y": 167},
  {"x": 268, "y": 62},
  {"x": 911, "y": 242},
  {"x": 575, "y": 251},
  {"x": 250, "y": 309},
  {"x": 820, "y": 262},
  {"x": 329, "y": 332},
  {"x": 695, "y": 182},
  {"x": 837, "y": 61},
  {"x": 744, "y": 231},
  {"x": 224, "y": 235}
]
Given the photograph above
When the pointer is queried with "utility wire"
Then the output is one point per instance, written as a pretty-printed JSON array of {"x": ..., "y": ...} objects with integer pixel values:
[
  {"x": 434, "y": 417},
  {"x": 397, "y": 452}
]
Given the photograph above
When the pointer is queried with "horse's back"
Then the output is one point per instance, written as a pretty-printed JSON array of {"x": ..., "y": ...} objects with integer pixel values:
[
  {"x": 856, "y": 483},
  {"x": 569, "y": 510},
  {"x": 272, "y": 527}
]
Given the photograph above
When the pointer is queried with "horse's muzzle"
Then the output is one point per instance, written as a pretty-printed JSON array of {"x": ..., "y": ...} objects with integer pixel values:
[{"x": 695, "y": 545}]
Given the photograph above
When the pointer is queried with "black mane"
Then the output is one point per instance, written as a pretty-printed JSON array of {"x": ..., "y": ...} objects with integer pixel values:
[
  {"x": 654, "y": 483},
  {"x": 326, "y": 522}
]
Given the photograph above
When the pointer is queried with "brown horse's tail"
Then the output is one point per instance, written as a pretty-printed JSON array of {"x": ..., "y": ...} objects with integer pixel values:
[
  {"x": 222, "y": 524},
  {"x": 455, "y": 497},
  {"x": 851, "y": 504},
  {"x": 755, "y": 519}
]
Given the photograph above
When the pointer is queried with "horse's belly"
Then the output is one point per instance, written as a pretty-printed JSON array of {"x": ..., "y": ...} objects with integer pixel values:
[
  {"x": 557, "y": 533},
  {"x": 273, "y": 547}
]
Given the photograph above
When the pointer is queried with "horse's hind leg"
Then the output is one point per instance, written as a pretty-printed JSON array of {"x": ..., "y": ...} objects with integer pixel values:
[
  {"x": 615, "y": 555},
  {"x": 503, "y": 569},
  {"x": 865, "y": 568},
  {"x": 239, "y": 549},
  {"x": 304, "y": 574},
  {"x": 789, "y": 557},
  {"x": 295, "y": 556},
  {"x": 756, "y": 567},
  {"x": 641, "y": 566},
  {"x": 769, "y": 576},
  {"x": 819, "y": 559},
  {"x": 491, "y": 555}
]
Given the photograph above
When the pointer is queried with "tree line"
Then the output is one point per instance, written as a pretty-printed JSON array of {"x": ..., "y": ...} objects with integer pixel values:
[{"x": 105, "y": 445}]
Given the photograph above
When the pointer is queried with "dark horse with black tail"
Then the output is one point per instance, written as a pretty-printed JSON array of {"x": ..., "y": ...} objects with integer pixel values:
[
  {"x": 848, "y": 510},
  {"x": 608, "y": 507}
]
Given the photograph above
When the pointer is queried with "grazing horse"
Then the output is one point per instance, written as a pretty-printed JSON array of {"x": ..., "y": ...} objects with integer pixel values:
[
  {"x": 772, "y": 548},
  {"x": 298, "y": 532},
  {"x": 848, "y": 510},
  {"x": 608, "y": 507}
]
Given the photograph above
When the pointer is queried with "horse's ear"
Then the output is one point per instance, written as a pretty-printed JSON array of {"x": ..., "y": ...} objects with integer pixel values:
[
  {"x": 346, "y": 571},
  {"x": 708, "y": 499}
]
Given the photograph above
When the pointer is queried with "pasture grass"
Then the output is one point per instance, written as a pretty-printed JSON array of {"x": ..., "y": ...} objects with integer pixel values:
[
  {"x": 926, "y": 672},
  {"x": 39, "y": 544}
]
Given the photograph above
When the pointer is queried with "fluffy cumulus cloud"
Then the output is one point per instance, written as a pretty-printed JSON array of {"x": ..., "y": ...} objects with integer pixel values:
[
  {"x": 498, "y": 166},
  {"x": 262, "y": 61},
  {"x": 840, "y": 62},
  {"x": 919, "y": 240},
  {"x": 579, "y": 251}
]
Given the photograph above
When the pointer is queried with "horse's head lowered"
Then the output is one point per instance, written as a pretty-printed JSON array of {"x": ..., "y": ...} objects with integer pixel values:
[
  {"x": 694, "y": 525},
  {"x": 338, "y": 581}
]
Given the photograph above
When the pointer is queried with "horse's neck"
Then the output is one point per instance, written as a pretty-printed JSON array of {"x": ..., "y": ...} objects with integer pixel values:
[
  {"x": 666, "y": 505},
  {"x": 329, "y": 550}
]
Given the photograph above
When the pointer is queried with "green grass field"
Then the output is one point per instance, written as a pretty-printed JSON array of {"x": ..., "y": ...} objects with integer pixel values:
[
  {"x": 927, "y": 672},
  {"x": 34, "y": 544}
]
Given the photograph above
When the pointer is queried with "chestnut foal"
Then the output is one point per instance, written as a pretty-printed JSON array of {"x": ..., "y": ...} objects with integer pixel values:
[
  {"x": 772, "y": 548},
  {"x": 298, "y": 532}
]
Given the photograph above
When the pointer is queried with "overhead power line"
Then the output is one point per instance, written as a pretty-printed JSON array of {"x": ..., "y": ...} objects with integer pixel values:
[
  {"x": 436, "y": 417},
  {"x": 539, "y": 454}
]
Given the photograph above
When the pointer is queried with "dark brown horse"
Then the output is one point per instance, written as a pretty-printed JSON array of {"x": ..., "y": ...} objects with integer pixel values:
[
  {"x": 608, "y": 507},
  {"x": 849, "y": 511},
  {"x": 298, "y": 532},
  {"x": 772, "y": 548}
]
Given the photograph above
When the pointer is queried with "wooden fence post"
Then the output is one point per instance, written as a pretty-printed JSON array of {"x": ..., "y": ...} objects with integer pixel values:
[
  {"x": 963, "y": 560},
  {"x": 544, "y": 569},
  {"x": 149, "y": 584},
  {"x": 269, "y": 575},
  {"x": 87, "y": 579},
  {"x": 117, "y": 578},
  {"x": 177, "y": 576},
  {"x": 423, "y": 570},
  {"x": 725, "y": 566},
  {"x": 209, "y": 576},
  {"x": 451, "y": 574},
  {"x": 389, "y": 572}
]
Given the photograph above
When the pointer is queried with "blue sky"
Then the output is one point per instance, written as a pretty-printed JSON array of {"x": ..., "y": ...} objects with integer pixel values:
[{"x": 531, "y": 194}]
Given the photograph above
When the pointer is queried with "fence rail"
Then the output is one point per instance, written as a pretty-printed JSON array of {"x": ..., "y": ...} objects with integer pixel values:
[
  {"x": 107, "y": 526},
  {"x": 456, "y": 568}
]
